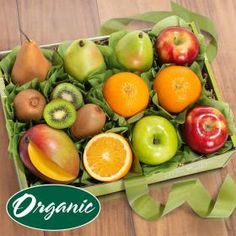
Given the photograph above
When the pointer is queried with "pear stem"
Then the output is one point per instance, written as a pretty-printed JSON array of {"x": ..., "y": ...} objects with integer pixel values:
[
  {"x": 81, "y": 43},
  {"x": 22, "y": 32},
  {"x": 140, "y": 35}
]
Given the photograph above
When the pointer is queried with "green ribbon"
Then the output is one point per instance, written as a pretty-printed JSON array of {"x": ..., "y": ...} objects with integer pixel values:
[
  {"x": 203, "y": 22},
  {"x": 191, "y": 191}
]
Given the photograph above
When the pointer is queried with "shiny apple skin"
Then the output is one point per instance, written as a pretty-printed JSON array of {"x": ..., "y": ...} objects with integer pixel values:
[
  {"x": 205, "y": 129},
  {"x": 146, "y": 131},
  {"x": 177, "y": 45}
]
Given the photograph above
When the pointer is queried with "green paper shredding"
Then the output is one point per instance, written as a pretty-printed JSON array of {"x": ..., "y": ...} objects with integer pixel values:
[
  {"x": 136, "y": 182},
  {"x": 191, "y": 191}
]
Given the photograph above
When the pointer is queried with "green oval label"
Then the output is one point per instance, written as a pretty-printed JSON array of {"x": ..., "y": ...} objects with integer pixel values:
[{"x": 53, "y": 207}]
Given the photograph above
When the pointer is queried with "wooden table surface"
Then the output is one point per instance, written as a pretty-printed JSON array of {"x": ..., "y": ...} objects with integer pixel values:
[{"x": 56, "y": 20}]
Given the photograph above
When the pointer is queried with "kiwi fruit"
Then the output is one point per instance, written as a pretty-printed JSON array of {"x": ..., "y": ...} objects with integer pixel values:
[
  {"x": 59, "y": 113},
  {"x": 29, "y": 105},
  {"x": 68, "y": 92},
  {"x": 90, "y": 120}
]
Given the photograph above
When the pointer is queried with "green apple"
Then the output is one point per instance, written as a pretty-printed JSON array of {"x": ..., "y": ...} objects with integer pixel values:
[{"x": 154, "y": 140}]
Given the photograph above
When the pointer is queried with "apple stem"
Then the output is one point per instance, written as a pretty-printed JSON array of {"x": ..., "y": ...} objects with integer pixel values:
[
  {"x": 155, "y": 140},
  {"x": 176, "y": 41},
  {"x": 208, "y": 127},
  {"x": 26, "y": 36},
  {"x": 81, "y": 43}
]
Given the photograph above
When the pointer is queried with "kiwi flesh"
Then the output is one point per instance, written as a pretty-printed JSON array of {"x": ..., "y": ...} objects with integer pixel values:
[
  {"x": 29, "y": 105},
  {"x": 59, "y": 113},
  {"x": 68, "y": 92}
]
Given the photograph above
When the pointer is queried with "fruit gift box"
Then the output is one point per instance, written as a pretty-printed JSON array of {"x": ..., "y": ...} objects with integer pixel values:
[{"x": 99, "y": 112}]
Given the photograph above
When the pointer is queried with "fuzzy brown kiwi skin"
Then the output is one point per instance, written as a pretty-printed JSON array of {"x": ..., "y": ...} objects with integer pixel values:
[
  {"x": 28, "y": 105},
  {"x": 90, "y": 120}
]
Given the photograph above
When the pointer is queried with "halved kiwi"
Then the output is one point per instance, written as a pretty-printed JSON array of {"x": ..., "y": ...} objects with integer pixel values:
[
  {"x": 68, "y": 92},
  {"x": 59, "y": 113}
]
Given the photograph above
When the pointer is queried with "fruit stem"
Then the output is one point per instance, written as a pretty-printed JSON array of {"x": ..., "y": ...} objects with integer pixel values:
[
  {"x": 208, "y": 127},
  {"x": 140, "y": 35},
  {"x": 176, "y": 41},
  {"x": 22, "y": 32},
  {"x": 27, "y": 140},
  {"x": 155, "y": 140},
  {"x": 81, "y": 43}
]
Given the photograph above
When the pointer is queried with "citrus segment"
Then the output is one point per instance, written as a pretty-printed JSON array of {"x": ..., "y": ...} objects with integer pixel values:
[
  {"x": 126, "y": 93},
  {"x": 177, "y": 87},
  {"x": 107, "y": 157}
]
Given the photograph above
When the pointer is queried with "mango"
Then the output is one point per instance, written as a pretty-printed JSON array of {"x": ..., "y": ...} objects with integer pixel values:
[{"x": 49, "y": 154}]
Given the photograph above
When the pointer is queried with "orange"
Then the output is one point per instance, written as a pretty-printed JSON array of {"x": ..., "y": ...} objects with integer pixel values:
[
  {"x": 126, "y": 93},
  {"x": 107, "y": 157},
  {"x": 177, "y": 87}
]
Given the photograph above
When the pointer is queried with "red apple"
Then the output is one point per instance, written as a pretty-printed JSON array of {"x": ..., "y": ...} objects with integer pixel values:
[
  {"x": 205, "y": 129},
  {"x": 177, "y": 45},
  {"x": 49, "y": 154}
]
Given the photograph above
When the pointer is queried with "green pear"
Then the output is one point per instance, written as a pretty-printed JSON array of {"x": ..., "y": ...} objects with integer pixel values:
[
  {"x": 135, "y": 51},
  {"x": 83, "y": 58},
  {"x": 30, "y": 63}
]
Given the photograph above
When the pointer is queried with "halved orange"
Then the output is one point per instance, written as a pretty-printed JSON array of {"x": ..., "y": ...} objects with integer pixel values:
[{"x": 107, "y": 157}]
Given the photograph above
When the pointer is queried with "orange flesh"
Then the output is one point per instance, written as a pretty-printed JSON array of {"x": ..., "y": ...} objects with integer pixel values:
[{"x": 106, "y": 157}]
